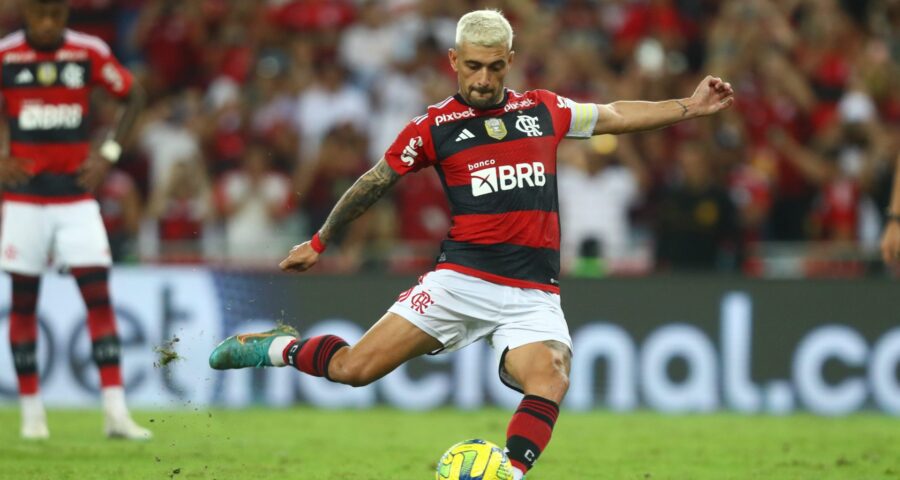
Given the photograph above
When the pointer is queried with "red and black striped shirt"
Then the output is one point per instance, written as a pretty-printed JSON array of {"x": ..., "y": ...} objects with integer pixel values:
[
  {"x": 498, "y": 169},
  {"x": 45, "y": 96}
]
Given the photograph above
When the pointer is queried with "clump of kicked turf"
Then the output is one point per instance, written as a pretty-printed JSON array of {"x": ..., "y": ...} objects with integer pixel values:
[{"x": 166, "y": 353}]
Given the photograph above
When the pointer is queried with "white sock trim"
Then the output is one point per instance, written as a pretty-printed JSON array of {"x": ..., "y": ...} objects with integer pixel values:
[
  {"x": 276, "y": 349},
  {"x": 113, "y": 400},
  {"x": 518, "y": 474}
]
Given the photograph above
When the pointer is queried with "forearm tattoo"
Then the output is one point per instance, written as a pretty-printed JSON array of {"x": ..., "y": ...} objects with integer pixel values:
[
  {"x": 684, "y": 109},
  {"x": 358, "y": 198}
]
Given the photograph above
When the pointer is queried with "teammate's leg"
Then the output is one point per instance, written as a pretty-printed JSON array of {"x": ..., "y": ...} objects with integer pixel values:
[
  {"x": 392, "y": 341},
  {"x": 23, "y": 330},
  {"x": 542, "y": 369},
  {"x": 82, "y": 245},
  {"x": 24, "y": 247}
]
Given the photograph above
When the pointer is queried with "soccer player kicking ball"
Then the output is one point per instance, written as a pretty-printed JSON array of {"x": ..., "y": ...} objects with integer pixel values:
[
  {"x": 48, "y": 211},
  {"x": 497, "y": 275}
]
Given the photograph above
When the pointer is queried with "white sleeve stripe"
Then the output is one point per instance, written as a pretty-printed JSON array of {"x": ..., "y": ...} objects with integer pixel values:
[{"x": 88, "y": 41}]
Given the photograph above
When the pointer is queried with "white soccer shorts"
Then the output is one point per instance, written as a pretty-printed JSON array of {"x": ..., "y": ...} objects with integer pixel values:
[
  {"x": 69, "y": 234},
  {"x": 459, "y": 309}
]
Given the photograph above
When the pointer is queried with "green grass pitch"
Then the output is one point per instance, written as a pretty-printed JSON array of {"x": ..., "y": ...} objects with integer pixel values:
[{"x": 308, "y": 444}]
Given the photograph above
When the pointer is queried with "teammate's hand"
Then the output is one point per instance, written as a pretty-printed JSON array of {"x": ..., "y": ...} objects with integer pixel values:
[
  {"x": 890, "y": 243},
  {"x": 12, "y": 171},
  {"x": 301, "y": 258},
  {"x": 92, "y": 172},
  {"x": 712, "y": 95}
]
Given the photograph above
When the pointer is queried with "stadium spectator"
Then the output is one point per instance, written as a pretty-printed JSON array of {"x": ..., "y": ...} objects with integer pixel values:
[
  {"x": 167, "y": 136},
  {"x": 171, "y": 34},
  {"x": 696, "y": 219},
  {"x": 330, "y": 101},
  {"x": 252, "y": 202},
  {"x": 120, "y": 206},
  {"x": 599, "y": 183},
  {"x": 368, "y": 46},
  {"x": 180, "y": 210}
]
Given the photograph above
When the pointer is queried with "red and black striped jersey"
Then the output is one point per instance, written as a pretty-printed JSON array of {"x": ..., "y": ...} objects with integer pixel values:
[
  {"x": 498, "y": 169},
  {"x": 45, "y": 97}
]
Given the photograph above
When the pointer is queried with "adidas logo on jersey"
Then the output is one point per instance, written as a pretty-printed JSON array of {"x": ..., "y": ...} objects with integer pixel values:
[
  {"x": 507, "y": 177},
  {"x": 465, "y": 135},
  {"x": 25, "y": 76}
]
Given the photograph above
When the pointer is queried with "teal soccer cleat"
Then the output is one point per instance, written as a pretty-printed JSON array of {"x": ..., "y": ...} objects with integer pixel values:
[{"x": 248, "y": 349}]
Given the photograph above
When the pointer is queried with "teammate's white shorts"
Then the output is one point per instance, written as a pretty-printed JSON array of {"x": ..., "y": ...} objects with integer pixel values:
[
  {"x": 69, "y": 234},
  {"x": 459, "y": 309}
]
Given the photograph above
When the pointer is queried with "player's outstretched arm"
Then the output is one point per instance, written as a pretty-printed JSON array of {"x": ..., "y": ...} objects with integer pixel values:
[
  {"x": 890, "y": 239},
  {"x": 371, "y": 186},
  {"x": 712, "y": 95}
]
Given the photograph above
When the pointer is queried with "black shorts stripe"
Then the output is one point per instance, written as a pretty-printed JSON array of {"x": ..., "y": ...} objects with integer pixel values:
[
  {"x": 50, "y": 185},
  {"x": 539, "y": 265}
]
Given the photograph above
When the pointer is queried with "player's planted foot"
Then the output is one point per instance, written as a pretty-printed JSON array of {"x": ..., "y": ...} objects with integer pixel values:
[
  {"x": 34, "y": 418},
  {"x": 253, "y": 349}
]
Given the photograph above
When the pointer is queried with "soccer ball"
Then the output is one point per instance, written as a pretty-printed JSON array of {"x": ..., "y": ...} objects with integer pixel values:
[{"x": 474, "y": 460}]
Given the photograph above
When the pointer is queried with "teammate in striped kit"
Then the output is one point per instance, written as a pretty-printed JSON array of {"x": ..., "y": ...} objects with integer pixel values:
[
  {"x": 497, "y": 275},
  {"x": 48, "y": 210}
]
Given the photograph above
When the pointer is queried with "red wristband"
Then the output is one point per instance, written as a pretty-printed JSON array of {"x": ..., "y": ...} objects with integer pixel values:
[{"x": 316, "y": 243}]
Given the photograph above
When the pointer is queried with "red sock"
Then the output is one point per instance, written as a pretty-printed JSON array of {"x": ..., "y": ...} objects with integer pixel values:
[
  {"x": 23, "y": 331},
  {"x": 312, "y": 356},
  {"x": 94, "y": 285},
  {"x": 529, "y": 431}
]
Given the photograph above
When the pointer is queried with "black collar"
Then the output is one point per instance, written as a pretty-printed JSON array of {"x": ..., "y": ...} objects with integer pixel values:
[{"x": 459, "y": 98}]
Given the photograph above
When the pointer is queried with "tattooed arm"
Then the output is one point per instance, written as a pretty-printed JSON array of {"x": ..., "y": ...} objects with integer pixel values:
[
  {"x": 355, "y": 201},
  {"x": 711, "y": 95}
]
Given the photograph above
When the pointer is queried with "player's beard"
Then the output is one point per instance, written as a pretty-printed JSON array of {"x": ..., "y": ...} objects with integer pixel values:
[{"x": 489, "y": 98}]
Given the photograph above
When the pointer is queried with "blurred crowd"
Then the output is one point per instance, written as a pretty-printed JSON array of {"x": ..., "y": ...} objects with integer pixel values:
[{"x": 262, "y": 113}]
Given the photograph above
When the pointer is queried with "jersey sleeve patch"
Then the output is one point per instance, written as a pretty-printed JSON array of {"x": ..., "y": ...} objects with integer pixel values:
[{"x": 408, "y": 153}]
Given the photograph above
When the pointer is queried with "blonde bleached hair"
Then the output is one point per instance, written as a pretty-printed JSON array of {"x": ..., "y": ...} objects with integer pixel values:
[{"x": 486, "y": 28}]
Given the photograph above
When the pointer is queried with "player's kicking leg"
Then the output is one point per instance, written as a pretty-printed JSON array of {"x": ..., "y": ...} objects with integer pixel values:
[
  {"x": 392, "y": 341},
  {"x": 542, "y": 369}
]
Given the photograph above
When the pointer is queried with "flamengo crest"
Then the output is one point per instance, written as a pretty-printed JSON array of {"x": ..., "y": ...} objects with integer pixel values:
[
  {"x": 72, "y": 75},
  {"x": 528, "y": 125}
]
